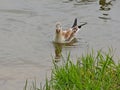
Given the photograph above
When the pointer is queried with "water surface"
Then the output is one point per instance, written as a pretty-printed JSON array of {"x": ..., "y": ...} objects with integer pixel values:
[{"x": 27, "y": 29}]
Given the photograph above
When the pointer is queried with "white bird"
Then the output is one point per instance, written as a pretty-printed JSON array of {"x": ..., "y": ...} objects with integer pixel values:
[{"x": 66, "y": 36}]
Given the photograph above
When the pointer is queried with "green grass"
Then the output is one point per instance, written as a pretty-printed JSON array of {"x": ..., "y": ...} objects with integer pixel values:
[{"x": 91, "y": 72}]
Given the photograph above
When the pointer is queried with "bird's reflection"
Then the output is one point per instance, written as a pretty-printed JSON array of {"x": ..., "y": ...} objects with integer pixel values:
[
  {"x": 58, "y": 50},
  {"x": 59, "y": 46},
  {"x": 105, "y": 5}
]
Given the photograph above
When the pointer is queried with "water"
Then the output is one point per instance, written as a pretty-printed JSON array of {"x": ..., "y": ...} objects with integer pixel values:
[{"x": 27, "y": 30}]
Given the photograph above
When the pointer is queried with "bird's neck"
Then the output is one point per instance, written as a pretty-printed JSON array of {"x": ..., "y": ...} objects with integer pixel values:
[{"x": 59, "y": 38}]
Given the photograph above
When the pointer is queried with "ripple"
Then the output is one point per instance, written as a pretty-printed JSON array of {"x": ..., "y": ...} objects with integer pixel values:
[
  {"x": 105, "y": 18},
  {"x": 16, "y": 20},
  {"x": 16, "y": 11}
]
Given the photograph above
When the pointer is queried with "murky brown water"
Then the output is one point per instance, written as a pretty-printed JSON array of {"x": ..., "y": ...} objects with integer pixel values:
[{"x": 27, "y": 31}]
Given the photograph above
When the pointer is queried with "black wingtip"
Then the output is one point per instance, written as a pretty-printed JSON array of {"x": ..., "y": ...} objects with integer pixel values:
[
  {"x": 75, "y": 23},
  {"x": 82, "y": 25}
]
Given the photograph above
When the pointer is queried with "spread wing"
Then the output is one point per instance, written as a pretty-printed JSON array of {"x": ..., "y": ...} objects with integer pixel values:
[{"x": 75, "y": 23}]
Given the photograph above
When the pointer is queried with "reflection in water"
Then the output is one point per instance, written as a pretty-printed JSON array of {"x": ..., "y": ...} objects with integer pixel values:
[
  {"x": 105, "y": 17},
  {"x": 105, "y": 5},
  {"x": 58, "y": 48}
]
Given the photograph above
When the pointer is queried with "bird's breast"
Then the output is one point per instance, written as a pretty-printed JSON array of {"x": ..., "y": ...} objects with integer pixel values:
[{"x": 60, "y": 38}]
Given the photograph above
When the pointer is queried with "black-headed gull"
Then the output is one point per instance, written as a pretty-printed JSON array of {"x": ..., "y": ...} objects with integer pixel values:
[{"x": 66, "y": 36}]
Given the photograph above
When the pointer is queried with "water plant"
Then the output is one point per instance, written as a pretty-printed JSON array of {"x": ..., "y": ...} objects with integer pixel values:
[{"x": 90, "y": 72}]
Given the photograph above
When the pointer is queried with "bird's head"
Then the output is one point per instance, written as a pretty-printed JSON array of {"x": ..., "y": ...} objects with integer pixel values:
[{"x": 58, "y": 28}]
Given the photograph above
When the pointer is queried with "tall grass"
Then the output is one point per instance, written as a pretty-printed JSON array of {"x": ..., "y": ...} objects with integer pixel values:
[{"x": 91, "y": 72}]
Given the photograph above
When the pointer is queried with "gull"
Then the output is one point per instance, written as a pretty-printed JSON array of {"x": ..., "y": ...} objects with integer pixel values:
[{"x": 66, "y": 36}]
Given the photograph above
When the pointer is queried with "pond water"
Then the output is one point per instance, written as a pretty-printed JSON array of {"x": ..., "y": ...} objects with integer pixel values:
[{"x": 27, "y": 29}]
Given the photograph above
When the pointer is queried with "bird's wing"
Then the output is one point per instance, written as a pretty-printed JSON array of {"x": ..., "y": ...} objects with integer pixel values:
[
  {"x": 75, "y": 23},
  {"x": 70, "y": 36}
]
